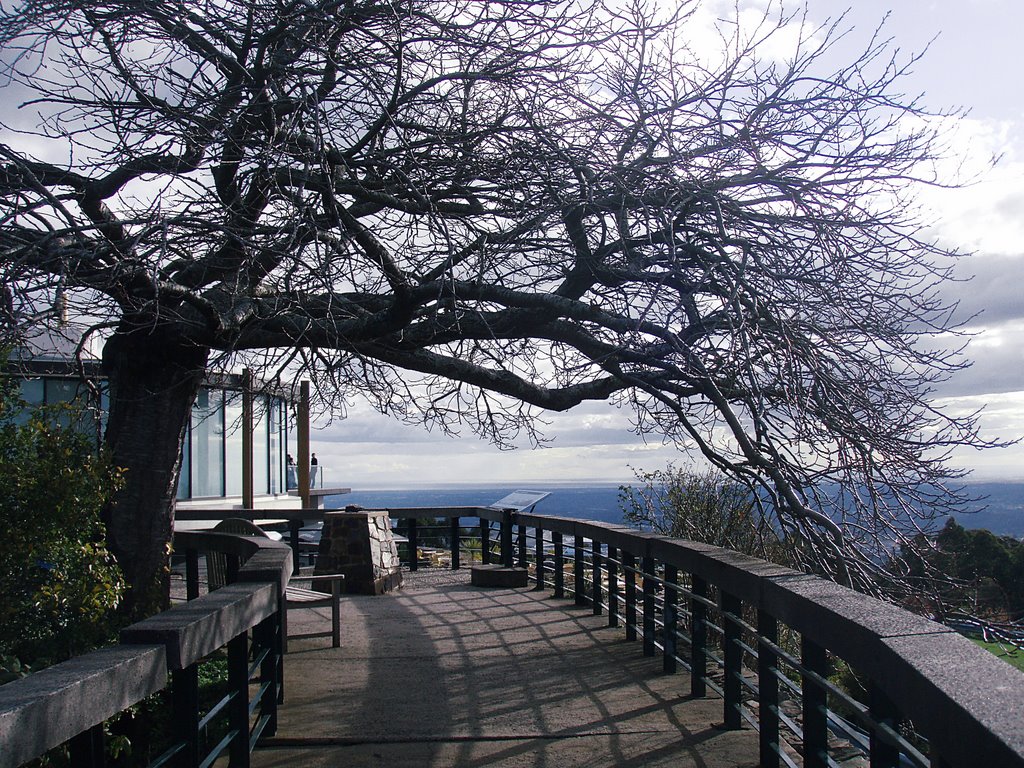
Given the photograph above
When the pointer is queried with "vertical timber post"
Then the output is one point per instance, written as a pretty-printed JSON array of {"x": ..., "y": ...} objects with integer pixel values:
[
  {"x": 248, "y": 491},
  {"x": 303, "y": 440}
]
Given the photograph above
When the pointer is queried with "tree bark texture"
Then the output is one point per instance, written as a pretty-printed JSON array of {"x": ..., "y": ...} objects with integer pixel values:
[{"x": 154, "y": 377}]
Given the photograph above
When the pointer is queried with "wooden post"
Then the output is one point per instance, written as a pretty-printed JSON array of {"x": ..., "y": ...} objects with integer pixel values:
[{"x": 303, "y": 447}]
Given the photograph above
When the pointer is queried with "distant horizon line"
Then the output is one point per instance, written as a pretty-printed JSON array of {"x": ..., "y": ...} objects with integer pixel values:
[{"x": 374, "y": 486}]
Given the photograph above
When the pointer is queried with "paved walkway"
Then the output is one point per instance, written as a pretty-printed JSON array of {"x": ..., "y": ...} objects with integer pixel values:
[{"x": 446, "y": 674}]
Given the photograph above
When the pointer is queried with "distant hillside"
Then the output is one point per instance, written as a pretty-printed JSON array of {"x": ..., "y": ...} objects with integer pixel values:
[{"x": 1002, "y": 512}]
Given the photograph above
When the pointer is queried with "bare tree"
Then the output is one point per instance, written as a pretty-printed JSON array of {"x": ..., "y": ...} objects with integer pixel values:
[{"x": 467, "y": 212}]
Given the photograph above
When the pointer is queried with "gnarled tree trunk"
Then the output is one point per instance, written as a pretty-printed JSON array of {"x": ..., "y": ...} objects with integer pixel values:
[{"x": 154, "y": 376}]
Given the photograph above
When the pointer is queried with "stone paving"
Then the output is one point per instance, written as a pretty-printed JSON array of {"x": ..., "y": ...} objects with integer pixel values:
[{"x": 442, "y": 673}]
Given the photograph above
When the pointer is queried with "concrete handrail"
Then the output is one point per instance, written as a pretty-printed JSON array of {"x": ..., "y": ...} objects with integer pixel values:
[
  {"x": 49, "y": 707},
  {"x": 964, "y": 700}
]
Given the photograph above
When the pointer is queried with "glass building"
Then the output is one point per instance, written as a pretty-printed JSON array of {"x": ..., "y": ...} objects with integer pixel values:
[{"x": 214, "y": 446}]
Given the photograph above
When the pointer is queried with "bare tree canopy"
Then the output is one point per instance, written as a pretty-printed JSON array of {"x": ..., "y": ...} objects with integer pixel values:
[{"x": 469, "y": 211}]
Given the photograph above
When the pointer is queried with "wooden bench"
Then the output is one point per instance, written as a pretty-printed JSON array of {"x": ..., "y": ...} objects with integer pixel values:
[{"x": 295, "y": 597}]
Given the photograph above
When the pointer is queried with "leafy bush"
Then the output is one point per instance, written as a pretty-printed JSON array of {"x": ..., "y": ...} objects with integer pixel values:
[
  {"x": 59, "y": 583},
  {"x": 701, "y": 506}
]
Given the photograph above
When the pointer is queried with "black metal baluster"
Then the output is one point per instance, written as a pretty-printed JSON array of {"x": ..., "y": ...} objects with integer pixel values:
[
  {"x": 732, "y": 609},
  {"x": 612, "y": 570},
  {"x": 768, "y": 690},
  {"x": 485, "y": 541},
  {"x": 629, "y": 575},
  {"x": 815, "y": 705},
  {"x": 595, "y": 572},
  {"x": 191, "y": 574},
  {"x": 539, "y": 552},
  {"x": 559, "y": 574},
  {"x": 698, "y": 638},
  {"x": 668, "y": 663},
  {"x": 454, "y": 534},
  {"x": 648, "y": 588},
  {"x": 87, "y": 749},
  {"x": 884, "y": 754},
  {"x": 414, "y": 545},
  {"x": 578, "y": 572},
  {"x": 238, "y": 707},
  {"x": 185, "y": 708},
  {"x": 507, "y": 556}
]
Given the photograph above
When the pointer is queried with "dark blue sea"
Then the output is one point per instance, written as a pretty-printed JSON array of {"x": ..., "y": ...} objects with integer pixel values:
[{"x": 1000, "y": 509}]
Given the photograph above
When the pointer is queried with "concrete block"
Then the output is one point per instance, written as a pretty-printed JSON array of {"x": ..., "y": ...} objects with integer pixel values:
[{"x": 498, "y": 576}]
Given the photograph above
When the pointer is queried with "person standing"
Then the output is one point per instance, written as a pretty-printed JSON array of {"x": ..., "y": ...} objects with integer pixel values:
[
  {"x": 291, "y": 480},
  {"x": 314, "y": 468}
]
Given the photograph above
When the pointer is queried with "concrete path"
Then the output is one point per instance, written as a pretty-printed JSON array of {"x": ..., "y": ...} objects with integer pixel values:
[{"x": 446, "y": 674}]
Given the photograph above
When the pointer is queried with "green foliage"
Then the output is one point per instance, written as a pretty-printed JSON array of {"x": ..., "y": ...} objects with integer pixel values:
[
  {"x": 983, "y": 573},
  {"x": 700, "y": 506},
  {"x": 59, "y": 583}
]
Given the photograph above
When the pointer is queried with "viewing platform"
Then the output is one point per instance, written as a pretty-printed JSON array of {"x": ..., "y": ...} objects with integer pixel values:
[
  {"x": 442, "y": 673},
  {"x": 625, "y": 648}
]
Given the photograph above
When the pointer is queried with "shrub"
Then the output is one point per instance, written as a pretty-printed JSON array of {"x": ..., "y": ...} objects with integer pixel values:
[{"x": 59, "y": 583}]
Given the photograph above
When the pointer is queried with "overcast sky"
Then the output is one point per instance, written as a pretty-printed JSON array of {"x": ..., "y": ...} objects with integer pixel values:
[{"x": 974, "y": 61}]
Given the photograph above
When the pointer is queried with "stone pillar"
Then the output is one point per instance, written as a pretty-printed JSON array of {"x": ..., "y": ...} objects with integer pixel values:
[{"x": 359, "y": 544}]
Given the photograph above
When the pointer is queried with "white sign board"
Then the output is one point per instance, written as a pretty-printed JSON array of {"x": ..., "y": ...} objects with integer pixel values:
[{"x": 519, "y": 500}]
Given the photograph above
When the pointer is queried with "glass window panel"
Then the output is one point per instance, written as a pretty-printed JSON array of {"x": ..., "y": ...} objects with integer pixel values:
[
  {"x": 276, "y": 454},
  {"x": 185, "y": 476},
  {"x": 260, "y": 446},
  {"x": 208, "y": 444},
  {"x": 233, "y": 443},
  {"x": 33, "y": 391}
]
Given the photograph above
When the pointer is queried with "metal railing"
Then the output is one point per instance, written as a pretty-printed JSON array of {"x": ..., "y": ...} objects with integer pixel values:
[
  {"x": 765, "y": 638},
  {"x": 768, "y": 640},
  {"x": 70, "y": 702}
]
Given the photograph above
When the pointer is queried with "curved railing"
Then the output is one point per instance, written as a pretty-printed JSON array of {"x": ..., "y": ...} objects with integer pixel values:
[
  {"x": 69, "y": 702},
  {"x": 764, "y": 636}
]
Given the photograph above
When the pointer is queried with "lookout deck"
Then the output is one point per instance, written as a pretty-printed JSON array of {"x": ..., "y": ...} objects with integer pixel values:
[{"x": 446, "y": 674}]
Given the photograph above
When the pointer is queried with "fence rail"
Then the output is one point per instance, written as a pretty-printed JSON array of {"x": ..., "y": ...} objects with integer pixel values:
[
  {"x": 766, "y": 638},
  {"x": 70, "y": 702}
]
